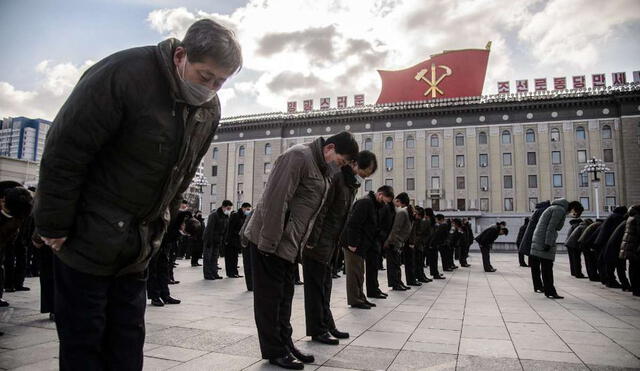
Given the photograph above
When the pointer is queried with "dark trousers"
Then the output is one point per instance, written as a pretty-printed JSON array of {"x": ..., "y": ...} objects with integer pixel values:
[
  {"x": 158, "y": 281},
  {"x": 317, "y": 297},
  {"x": 196, "y": 252},
  {"x": 546, "y": 266},
  {"x": 409, "y": 255},
  {"x": 338, "y": 261},
  {"x": 371, "y": 268},
  {"x": 521, "y": 259},
  {"x": 634, "y": 276},
  {"x": 210, "y": 262},
  {"x": 248, "y": 271},
  {"x": 536, "y": 276},
  {"x": 591, "y": 262},
  {"x": 486, "y": 257},
  {"x": 464, "y": 254},
  {"x": 354, "y": 268},
  {"x": 432, "y": 257},
  {"x": 575, "y": 261},
  {"x": 100, "y": 320},
  {"x": 15, "y": 264},
  {"x": 47, "y": 287},
  {"x": 273, "y": 289},
  {"x": 602, "y": 266},
  {"x": 231, "y": 261},
  {"x": 619, "y": 267},
  {"x": 394, "y": 272},
  {"x": 419, "y": 265}
]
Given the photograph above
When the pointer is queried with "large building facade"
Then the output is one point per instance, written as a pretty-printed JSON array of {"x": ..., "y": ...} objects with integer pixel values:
[
  {"x": 494, "y": 156},
  {"x": 23, "y": 138}
]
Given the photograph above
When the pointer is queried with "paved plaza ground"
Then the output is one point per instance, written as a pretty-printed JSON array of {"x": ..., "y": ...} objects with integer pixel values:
[{"x": 470, "y": 321}]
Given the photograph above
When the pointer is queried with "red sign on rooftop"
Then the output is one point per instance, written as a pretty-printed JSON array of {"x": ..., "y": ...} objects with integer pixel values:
[{"x": 452, "y": 73}]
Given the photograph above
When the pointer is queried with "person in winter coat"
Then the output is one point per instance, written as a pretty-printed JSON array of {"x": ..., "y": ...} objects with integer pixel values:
[
  {"x": 438, "y": 240},
  {"x": 279, "y": 229},
  {"x": 525, "y": 246},
  {"x": 374, "y": 259},
  {"x": 197, "y": 241},
  {"x": 543, "y": 244},
  {"x": 600, "y": 243},
  {"x": 613, "y": 262},
  {"x": 585, "y": 243},
  {"x": 486, "y": 240},
  {"x": 215, "y": 235},
  {"x": 630, "y": 247},
  {"x": 323, "y": 241},
  {"x": 397, "y": 240},
  {"x": 574, "y": 250},
  {"x": 412, "y": 255},
  {"x": 468, "y": 241},
  {"x": 236, "y": 220},
  {"x": 519, "y": 238},
  {"x": 573, "y": 223},
  {"x": 121, "y": 151}
]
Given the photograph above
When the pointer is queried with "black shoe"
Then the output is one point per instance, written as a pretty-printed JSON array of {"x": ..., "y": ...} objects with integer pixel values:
[
  {"x": 339, "y": 334},
  {"x": 425, "y": 280},
  {"x": 298, "y": 283},
  {"x": 614, "y": 285},
  {"x": 523, "y": 265},
  {"x": 52, "y": 317},
  {"x": 217, "y": 277},
  {"x": 416, "y": 283},
  {"x": 287, "y": 362},
  {"x": 448, "y": 270},
  {"x": 398, "y": 288},
  {"x": 383, "y": 294},
  {"x": 468, "y": 265},
  {"x": 405, "y": 286},
  {"x": 325, "y": 338},
  {"x": 370, "y": 303},
  {"x": 210, "y": 278},
  {"x": 581, "y": 276},
  {"x": 22, "y": 288},
  {"x": 4, "y": 303},
  {"x": 377, "y": 296},
  {"x": 439, "y": 277},
  {"x": 361, "y": 306},
  {"x": 174, "y": 282},
  {"x": 157, "y": 303},
  {"x": 9, "y": 289},
  {"x": 491, "y": 270},
  {"x": 539, "y": 291},
  {"x": 555, "y": 296},
  {"x": 170, "y": 300},
  {"x": 454, "y": 267},
  {"x": 302, "y": 357},
  {"x": 336, "y": 276},
  {"x": 196, "y": 265}
]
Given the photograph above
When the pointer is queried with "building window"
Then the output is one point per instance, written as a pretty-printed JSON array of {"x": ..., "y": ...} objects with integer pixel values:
[
  {"x": 530, "y": 136},
  {"x": 506, "y": 137},
  {"x": 267, "y": 167},
  {"x": 557, "y": 180},
  {"x": 555, "y": 135},
  {"x": 214, "y": 171},
  {"x": 531, "y": 158},
  {"x": 435, "y": 161},
  {"x": 368, "y": 185},
  {"x": 213, "y": 190},
  {"x": 411, "y": 142},
  {"x": 267, "y": 149},
  {"x": 241, "y": 151},
  {"x": 435, "y": 204},
  {"x": 533, "y": 181},
  {"x": 583, "y": 180},
  {"x": 585, "y": 202},
  {"x": 240, "y": 169},
  {"x": 435, "y": 141},
  {"x": 459, "y": 139},
  {"x": 484, "y": 183},
  {"x": 482, "y": 138},
  {"x": 580, "y": 133},
  {"x": 610, "y": 202},
  {"x": 240, "y": 188},
  {"x": 508, "y": 204},
  {"x": 484, "y": 204},
  {"x": 606, "y": 132},
  {"x": 582, "y": 156},
  {"x": 388, "y": 143},
  {"x": 212, "y": 207},
  {"x": 483, "y": 160},
  {"x": 533, "y": 201},
  {"x": 508, "y": 182},
  {"x": 460, "y": 161},
  {"x": 410, "y": 162},
  {"x": 368, "y": 144},
  {"x": 609, "y": 179},
  {"x": 556, "y": 157},
  {"x": 388, "y": 182},
  {"x": 506, "y": 159},
  {"x": 388, "y": 163},
  {"x": 608, "y": 155},
  {"x": 411, "y": 184},
  {"x": 462, "y": 204},
  {"x": 460, "y": 182},
  {"x": 435, "y": 182},
  {"x": 215, "y": 153}
]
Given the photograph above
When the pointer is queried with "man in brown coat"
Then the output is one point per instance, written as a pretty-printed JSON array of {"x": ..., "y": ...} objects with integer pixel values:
[{"x": 280, "y": 226}]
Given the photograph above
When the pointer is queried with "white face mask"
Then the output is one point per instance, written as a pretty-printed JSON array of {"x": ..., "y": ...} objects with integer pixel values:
[
  {"x": 247, "y": 212},
  {"x": 194, "y": 94},
  {"x": 227, "y": 212}
]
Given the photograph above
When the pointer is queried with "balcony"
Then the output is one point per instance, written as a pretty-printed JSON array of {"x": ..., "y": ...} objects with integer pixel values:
[{"x": 435, "y": 193}]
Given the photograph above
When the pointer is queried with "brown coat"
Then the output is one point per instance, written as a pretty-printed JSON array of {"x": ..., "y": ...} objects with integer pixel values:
[{"x": 630, "y": 247}]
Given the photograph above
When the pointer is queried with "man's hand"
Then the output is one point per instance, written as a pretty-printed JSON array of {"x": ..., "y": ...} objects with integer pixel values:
[
  {"x": 353, "y": 249},
  {"x": 55, "y": 243}
]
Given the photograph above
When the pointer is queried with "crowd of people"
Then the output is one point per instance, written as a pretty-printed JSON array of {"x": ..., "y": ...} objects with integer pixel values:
[{"x": 606, "y": 245}]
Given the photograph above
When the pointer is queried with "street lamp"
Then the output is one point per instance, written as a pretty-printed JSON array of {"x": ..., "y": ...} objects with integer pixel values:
[{"x": 595, "y": 166}]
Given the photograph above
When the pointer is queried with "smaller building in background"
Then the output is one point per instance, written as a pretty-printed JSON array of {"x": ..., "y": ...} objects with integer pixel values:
[{"x": 23, "y": 138}]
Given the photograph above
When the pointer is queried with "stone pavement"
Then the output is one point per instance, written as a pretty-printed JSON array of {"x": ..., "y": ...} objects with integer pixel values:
[{"x": 470, "y": 321}]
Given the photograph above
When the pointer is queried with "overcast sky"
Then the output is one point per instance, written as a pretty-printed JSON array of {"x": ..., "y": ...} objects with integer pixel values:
[{"x": 313, "y": 48}]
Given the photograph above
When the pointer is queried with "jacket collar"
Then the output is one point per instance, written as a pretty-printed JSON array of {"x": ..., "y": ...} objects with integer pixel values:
[
  {"x": 349, "y": 177},
  {"x": 318, "y": 155}
]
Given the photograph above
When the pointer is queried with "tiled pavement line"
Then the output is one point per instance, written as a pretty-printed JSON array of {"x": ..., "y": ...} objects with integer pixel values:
[
  {"x": 466, "y": 294},
  {"x": 551, "y": 328},
  {"x": 415, "y": 291}
]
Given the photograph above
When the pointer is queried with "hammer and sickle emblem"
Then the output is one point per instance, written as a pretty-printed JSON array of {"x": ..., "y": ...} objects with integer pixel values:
[{"x": 433, "y": 83}]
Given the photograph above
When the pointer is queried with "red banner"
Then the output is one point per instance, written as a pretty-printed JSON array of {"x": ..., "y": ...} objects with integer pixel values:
[
  {"x": 292, "y": 106},
  {"x": 308, "y": 105},
  {"x": 619, "y": 78},
  {"x": 358, "y": 100},
  {"x": 325, "y": 103},
  {"x": 503, "y": 87},
  {"x": 342, "y": 102},
  {"x": 559, "y": 83},
  {"x": 598, "y": 80},
  {"x": 454, "y": 73},
  {"x": 522, "y": 86},
  {"x": 579, "y": 82},
  {"x": 540, "y": 84}
]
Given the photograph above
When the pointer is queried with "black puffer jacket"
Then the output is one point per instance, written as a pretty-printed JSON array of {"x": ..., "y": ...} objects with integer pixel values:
[
  {"x": 236, "y": 221},
  {"x": 523, "y": 228},
  {"x": 215, "y": 233},
  {"x": 121, "y": 151},
  {"x": 362, "y": 224},
  {"x": 608, "y": 227},
  {"x": 574, "y": 224},
  {"x": 525, "y": 245},
  {"x": 488, "y": 236},
  {"x": 572, "y": 240},
  {"x": 612, "y": 248},
  {"x": 630, "y": 247},
  {"x": 585, "y": 242}
]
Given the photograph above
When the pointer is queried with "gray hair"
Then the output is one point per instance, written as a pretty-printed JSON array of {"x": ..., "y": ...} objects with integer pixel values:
[{"x": 209, "y": 39}]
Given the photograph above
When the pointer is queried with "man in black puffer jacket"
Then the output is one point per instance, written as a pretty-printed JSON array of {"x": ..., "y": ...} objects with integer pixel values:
[
  {"x": 525, "y": 246},
  {"x": 574, "y": 250},
  {"x": 574, "y": 223},
  {"x": 600, "y": 243},
  {"x": 120, "y": 152}
]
